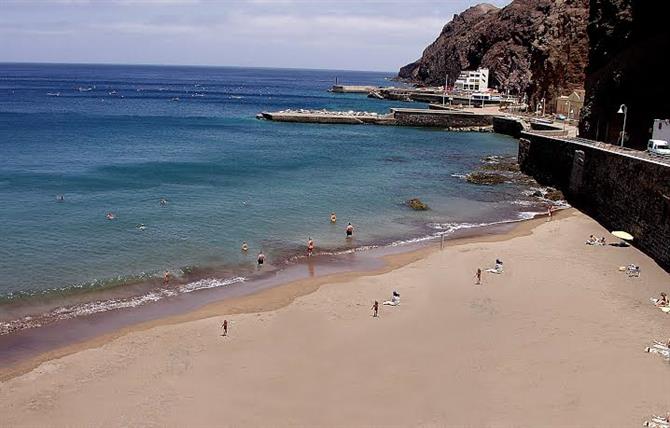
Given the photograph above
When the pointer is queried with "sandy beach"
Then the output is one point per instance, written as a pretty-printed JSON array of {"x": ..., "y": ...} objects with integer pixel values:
[{"x": 556, "y": 340}]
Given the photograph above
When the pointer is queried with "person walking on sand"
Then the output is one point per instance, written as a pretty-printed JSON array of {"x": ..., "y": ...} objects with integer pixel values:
[
  {"x": 166, "y": 278},
  {"x": 375, "y": 308},
  {"x": 350, "y": 230},
  {"x": 310, "y": 247},
  {"x": 333, "y": 217},
  {"x": 224, "y": 326},
  {"x": 261, "y": 258},
  {"x": 478, "y": 275}
]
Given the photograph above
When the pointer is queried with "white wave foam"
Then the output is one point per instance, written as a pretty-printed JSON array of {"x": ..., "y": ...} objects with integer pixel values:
[
  {"x": 209, "y": 283},
  {"x": 100, "y": 306}
]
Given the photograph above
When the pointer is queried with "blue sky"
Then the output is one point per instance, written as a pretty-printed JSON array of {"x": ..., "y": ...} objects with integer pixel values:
[{"x": 336, "y": 34}]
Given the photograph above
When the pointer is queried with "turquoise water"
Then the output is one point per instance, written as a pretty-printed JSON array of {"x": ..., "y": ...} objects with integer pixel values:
[{"x": 127, "y": 142}]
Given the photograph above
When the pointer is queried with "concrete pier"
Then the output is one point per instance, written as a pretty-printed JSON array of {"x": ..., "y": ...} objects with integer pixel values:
[
  {"x": 332, "y": 118},
  {"x": 353, "y": 89},
  {"x": 451, "y": 119}
]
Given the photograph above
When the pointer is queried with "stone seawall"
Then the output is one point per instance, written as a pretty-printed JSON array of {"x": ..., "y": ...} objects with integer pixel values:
[
  {"x": 440, "y": 118},
  {"x": 621, "y": 191}
]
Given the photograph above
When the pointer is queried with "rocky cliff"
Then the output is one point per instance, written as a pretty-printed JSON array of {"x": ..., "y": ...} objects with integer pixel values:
[
  {"x": 533, "y": 47},
  {"x": 630, "y": 40}
]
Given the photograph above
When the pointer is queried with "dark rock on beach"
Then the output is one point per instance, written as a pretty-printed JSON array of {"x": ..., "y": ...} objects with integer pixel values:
[
  {"x": 554, "y": 195},
  {"x": 488, "y": 178}
]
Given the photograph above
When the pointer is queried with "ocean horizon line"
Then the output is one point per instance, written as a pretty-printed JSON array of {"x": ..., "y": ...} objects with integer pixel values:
[{"x": 190, "y": 66}]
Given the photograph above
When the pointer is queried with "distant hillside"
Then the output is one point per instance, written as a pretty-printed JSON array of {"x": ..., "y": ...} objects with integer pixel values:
[{"x": 533, "y": 47}]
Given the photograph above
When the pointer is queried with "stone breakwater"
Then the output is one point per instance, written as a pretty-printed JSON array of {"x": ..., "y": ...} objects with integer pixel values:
[
  {"x": 446, "y": 119},
  {"x": 326, "y": 116}
]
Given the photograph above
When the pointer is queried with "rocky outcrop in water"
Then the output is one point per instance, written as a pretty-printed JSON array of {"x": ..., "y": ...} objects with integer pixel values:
[
  {"x": 533, "y": 47},
  {"x": 417, "y": 205},
  {"x": 629, "y": 42}
]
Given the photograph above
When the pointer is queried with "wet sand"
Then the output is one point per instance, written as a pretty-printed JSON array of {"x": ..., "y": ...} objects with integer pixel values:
[{"x": 555, "y": 340}]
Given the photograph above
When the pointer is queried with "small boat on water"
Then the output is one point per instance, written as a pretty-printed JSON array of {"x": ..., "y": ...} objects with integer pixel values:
[
  {"x": 82, "y": 89},
  {"x": 53, "y": 94}
]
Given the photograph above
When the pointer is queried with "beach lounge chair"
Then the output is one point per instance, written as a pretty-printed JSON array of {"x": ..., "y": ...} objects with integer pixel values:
[{"x": 633, "y": 271}]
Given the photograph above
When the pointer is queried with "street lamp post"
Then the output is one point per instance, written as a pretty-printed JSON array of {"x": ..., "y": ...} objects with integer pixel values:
[{"x": 623, "y": 110}]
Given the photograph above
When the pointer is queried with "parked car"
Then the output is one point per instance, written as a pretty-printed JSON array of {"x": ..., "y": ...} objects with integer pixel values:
[{"x": 658, "y": 147}]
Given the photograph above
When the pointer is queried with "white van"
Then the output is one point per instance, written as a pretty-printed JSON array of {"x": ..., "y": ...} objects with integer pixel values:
[{"x": 658, "y": 147}]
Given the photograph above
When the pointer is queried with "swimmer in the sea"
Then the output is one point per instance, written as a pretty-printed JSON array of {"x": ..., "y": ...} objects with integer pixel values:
[
  {"x": 350, "y": 230},
  {"x": 60, "y": 198},
  {"x": 110, "y": 216},
  {"x": 141, "y": 226},
  {"x": 245, "y": 247},
  {"x": 166, "y": 278},
  {"x": 163, "y": 202},
  {"x": 310, "y": 247},
  {"x": 261, "y": 258},
  {"x": 333, "y": 217}
]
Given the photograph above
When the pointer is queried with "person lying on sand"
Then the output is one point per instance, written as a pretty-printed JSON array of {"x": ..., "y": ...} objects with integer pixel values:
[
  {"x": 659, "y": 348},
  {"x": 592, "y": 240},
  {"x": 395, "y": 299},
  {"x": 658, "y": 421},
  {"x": 602, "y": 241},
  {"x": 498, "y": 268}
]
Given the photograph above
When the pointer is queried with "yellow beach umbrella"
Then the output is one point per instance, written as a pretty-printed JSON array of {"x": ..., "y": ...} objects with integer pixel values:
[{"x": 623, "y": 235}]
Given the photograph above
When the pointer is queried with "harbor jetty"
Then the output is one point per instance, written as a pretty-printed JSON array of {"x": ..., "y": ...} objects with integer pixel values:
[
  {"x": 327, "y": 116},
  {"x": 353, "y": 89},
  {"x": 447, "y": 119}
]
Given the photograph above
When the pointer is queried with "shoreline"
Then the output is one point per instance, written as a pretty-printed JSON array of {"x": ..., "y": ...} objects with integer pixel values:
[
  {"x": 554, "y": 340},
  {"x": 282, "y": 293}
]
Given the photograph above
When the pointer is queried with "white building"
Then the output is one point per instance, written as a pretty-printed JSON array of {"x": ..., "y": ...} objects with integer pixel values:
[
  {"x": 477, "y": 81},
  {"x": 661, "y": 130}
]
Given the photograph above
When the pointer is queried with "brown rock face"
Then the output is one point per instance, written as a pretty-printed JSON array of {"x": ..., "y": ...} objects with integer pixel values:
[
  {"x": 533, "y": 47},
  {"x": 629, "y": 42}
]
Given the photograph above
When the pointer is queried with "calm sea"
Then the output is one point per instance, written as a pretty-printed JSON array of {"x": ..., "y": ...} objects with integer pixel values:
[{"x": 119, "y": 138}]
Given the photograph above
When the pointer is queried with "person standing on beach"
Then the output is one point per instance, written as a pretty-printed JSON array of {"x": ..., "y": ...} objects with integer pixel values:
[
  {"x": 225, "y": 327},
  {"x": 478, "y": 275},
  {"x": 261, "y": 258},
  {"x": 166, "y": 278},
  {"x": 310, "y": 247},
  {"x": 375, "y": 308},
  {"x": 350, "y": 230}
]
